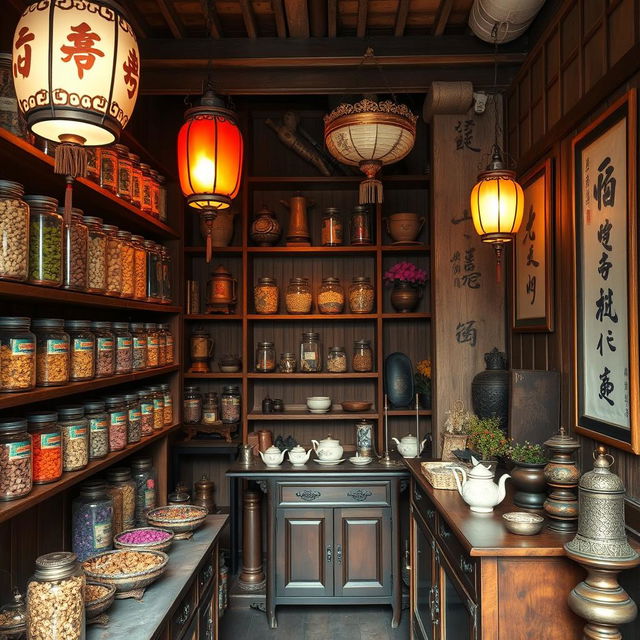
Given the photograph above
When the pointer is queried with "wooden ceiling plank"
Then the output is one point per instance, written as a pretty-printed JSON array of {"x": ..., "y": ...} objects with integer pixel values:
[
  {"x": 332, "y": 18},
  {"x": 361, "y": 28},
  {"x": 442, "y": 17},
  {"x": 211, "y": 16},
  {"x": 170, "y": 16},
  {"x": 401, "y": 18},
  {"x": 249, "y": 19},
  {"x": 278, "y": 12},
  {"x": 318, "y": 18},
  {"x": 297, "y": 18},
  {"x": 138, "y": 21}
]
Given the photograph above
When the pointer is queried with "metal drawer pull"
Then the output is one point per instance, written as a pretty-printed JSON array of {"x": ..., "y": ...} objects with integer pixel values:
[
  {"x": 360, "y": 495},
  {"x": 431, "y": 514},
  {"x": 417, "y": 495},
  {"x": 434, "y": 602},
  {"x": 308, "y": 495},
  {"x": 466, "y": 567},
  {"x": 184, "y": 616},
  {"x": 329, "y": 554},
  {"x": 339, "y": 554},
  {"x": 206, "y": 574},
  {"x": 444, "y": 532}
]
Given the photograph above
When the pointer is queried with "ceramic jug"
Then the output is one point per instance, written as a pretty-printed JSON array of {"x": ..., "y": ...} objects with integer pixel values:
[
  {"x": 298, "y": 456},
  {"x": 478, "y": 489},
  {"x": 408, "y": 446},
  {"x": 328, "y": 449},
  {"x": 272, "y": 457}
]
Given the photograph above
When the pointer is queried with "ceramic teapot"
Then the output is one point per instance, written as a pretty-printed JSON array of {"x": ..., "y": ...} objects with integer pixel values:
[
  {"x": 298, "y": 456},
  {"x": 478, "y": 489},
  {"x": 328, "y": 449},
  {"x": 272, "y": 457},
  {"x": 408, "y": 446}
]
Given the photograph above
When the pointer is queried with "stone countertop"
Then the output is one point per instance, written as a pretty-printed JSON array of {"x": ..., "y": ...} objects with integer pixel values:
[{"x": 133, "y": 620}]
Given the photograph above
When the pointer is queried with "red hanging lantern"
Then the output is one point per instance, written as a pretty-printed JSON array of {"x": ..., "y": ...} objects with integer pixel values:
[{"x": 210, "y": 153}]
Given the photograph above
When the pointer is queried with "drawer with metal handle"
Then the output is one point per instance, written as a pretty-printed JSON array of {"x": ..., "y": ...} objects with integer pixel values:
[
  {"x": 423, "y": 504},
  {"x": 464, "y": 564},
  {"x": 366, "y": 494},
  {"x": 205, "y": 575},
  {"x": 184, "y": 612}
]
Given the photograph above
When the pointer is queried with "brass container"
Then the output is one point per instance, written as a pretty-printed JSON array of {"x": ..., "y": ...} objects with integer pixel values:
[
  {"x": 201, "y": 350},
  {"x": 203, "y": 497},
  {"x": 222, "y": 292}
]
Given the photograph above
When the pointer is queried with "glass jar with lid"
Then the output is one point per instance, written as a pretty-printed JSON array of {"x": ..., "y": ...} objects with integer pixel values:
[
  {"x": 124, "y": 347},
  {"x": 162, "y": 346},
  {"x": 332, "y": 229},
  {"x": 169, "y": 348},
  {"x": 192, "y": 405},
  {"x": 120, "y": 480},
  {"x": 146, "y": 411},
  {"x": 52, "y": 352},
  {"x": 93, "y": 163},
  {"x": 76, "y": 247},
  {"x": 153, "y": 344},
  {"x": 144, "y": 475},
  {"x": 17, "y": 355},
  {"x": 116, "y": 407},
  {"x": 14, "y": 232},
  {"x": 114, "y": 261},
  {"x": 361, "y": 225},
  {"x": 288, "y": 362},
  {"x": 266, "y": 295},
  {"x": 210, "y": 408},
  {"x": 55, "y": 593},
  {"x": 158, "y": 406},
  {"x": 97, "y": 255},
  {"x": 155, "y": 194},
  {"x": 75, "y": 437},
  {"x": 134, "y": 417},
  {"x": 147, "y": 188},
  {"x": 105, "y": 349},
  {"x": 310, "y": 353},
  {"x": 46, "y": 445},
  {"x": 361, "y": 295},
  {"x": 298, "y": 298},
  {"x": 337, "y": 360},
  {"x": 154, "y": 268},
  {"x": 45, "y": 241},
  {"x": 230, "y": 406},
  {"x": 125, "y": 172},
  {"x": 98, "y": 420},
  {"x": 139, "y": 337},
  {"x": 166, "y": 294},
  {"x": 91, "y": 520},
  {"x": 362, "y": 361},
  {"x": 13, "y": 615},
  {"x": 162, "y": 195},
  {"x": 168, "y": 404},
  {"x": 265, "y": 357},
  {"x": 16, "y": 479},
  {"x": 109, "y": 168},
  {"x": 139, "y": 268},
  {"x": 331, "y": 296},
  {"x": 82, "y": 345},
  {"x": 136, "y": 177},
  {"x": 126, "y": 260}
]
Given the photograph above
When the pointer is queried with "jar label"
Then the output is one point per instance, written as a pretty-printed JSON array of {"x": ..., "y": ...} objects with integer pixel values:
[
  {"x": 139, "y": 343},
  {"x": 134, "y": 414},
  {"x": 169, "y": 340},
  {"x": 97, "y": 425},
  {"x": 146, "y": 408},
  {"x": 105, "y": 344},
  {"x": 22, "y": 346},
  {"x": 158, "y": 403},
  {"x": 118, "y": 418},
  {"x": 57, "y": 345},
  {"x": 153, "y": 341},
  {"x": 50, "y": 441},
  {"x": 192, "y": 403},
  {"x": 102, "y": 535},
  {"x": 309, "y": 355},
  {"x": 19, "y": 450},
  {"x": 77, "y": 432},
  {"x": 124, "y": 343},
  {"x": 209, "y": 417},
  {"x": 168, "y": 402},
  {"x": 82, "y": 344},
  {"x": 149, "y": 496}
]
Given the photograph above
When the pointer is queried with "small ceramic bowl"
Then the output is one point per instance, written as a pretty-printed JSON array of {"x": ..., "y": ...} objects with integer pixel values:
[
  {"x": 127, "y": 581},
  {"x": 95, "y": 607},
  {"x": 319, "y": 403},
  {"x": 161, "y": 545},
  {"x": 522, "y": 523},
  {"x": 356, "y": 405}
]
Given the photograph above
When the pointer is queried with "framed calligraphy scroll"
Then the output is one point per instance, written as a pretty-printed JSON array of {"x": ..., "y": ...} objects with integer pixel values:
[
  {"x": 605, "y": 252},
  {"x": 533, "y": 253}
]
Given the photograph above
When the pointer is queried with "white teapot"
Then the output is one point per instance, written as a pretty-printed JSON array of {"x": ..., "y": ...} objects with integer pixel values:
[
  {"x": 328, "y": 449},
  {"x": 272, "y": 457},
  {"x": 478, "y": 489},
  {"x": 298, "y": 456},
  {"x": 408, "y": 446}
]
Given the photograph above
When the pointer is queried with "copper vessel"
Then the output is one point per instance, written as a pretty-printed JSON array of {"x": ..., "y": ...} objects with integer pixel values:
[
  {"x": 298, "y": 233},
  {"x": 203, "y": 497},
  {"x": 222, "y": 292}
]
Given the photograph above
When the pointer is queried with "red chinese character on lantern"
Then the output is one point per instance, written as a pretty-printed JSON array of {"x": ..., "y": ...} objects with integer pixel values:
[
  {"x": 131, "y": 68},
  {"x": 22, "y": 65},
  {"x": 82, "y": 51}
]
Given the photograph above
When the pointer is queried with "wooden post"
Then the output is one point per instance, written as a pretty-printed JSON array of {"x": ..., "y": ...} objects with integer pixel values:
[{"x": 252, "y": 576}]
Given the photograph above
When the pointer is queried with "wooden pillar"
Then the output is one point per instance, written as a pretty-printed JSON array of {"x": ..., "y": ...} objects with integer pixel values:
[{"x": 251, "y": 577}]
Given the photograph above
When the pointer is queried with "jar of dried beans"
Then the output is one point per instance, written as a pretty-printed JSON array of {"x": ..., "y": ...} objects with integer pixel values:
[
  {"x": 265, "y": 357},
  {"x": 83, "y": 350},
  {"x": 361, "y": 295},
  {"x": 362, "y": 361},
  {"x": 139, "y": 268},
  {"x": 168, "y": 404},
  {"x": 91, "y": 520},
  {"x": 124, "y": 347},
  {"x": 114, "y": 261},
  {"x": 146, "y": 411},
  {"x": 139, "y": 336},
  {"x": 119, "y": 478},
  {"x": 75, "y": 437},
  {"x": 52, "y": 352},
  {"x": 169, "y": 343},
  {"x": 45, "y": 241},
  {"x": 153, "y": 344},
  {"x": 336, "y": 360},
  {"x": 118, "y": 419},
  {"x": 192, "y": 405},
  {"x": 76, "y": 248},
  {"x": 127, "y": 258},
  {"x": 46, "y": 445},
  {"x": 298, "y": 297},
  {"x": 17, "y": 355},
  {"x": 97, "y": 256},
  {"x": 105, "y": 349},
  {"x": 230, "y": 408},
  {"x": 331, "y": 296},
  {"x": 265, "y": 296},
  {"x": 98, "y": 429},
  {"x": 158, "y": 406},
  {"x": 15, "y": 459},
  {"x": 134, "y": 424},
  {"x": 14, "y": 232}
]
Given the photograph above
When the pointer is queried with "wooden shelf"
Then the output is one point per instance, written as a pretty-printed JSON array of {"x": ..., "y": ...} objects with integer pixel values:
[
  {"x": 42, "y": 492},
  {"x": 201, "y": 251},
  {"x": 31, "y": 167},
  {"x": 406, "y": 316},
  {"x": 213, "y": 316},
  {"x": 214, "y": 375},
  {"x": 41, "y": 394},
  {"x": 31, "y": 292},
  {"x": 345, "y": 250},
  {"x": 301, "y": 414},
  {"x": 409, "y": 412},
  {"x": 312, "y": 316},
  {"x": 311, "y": 376},
  {"x": 406, "y": 248}
]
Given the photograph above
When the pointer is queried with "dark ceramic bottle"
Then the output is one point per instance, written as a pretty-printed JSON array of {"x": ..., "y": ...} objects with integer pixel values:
[{"x": 490, "y": 389}]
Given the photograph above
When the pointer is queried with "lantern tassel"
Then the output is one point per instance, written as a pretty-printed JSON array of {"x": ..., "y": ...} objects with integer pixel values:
[
  {"x": 71, "y": 161},
  {"x": 499, "y": 249},
  {"x": 370, "y": 191}
]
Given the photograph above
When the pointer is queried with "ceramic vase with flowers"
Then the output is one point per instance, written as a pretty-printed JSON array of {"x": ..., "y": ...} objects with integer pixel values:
[
  {"x": 527, "y": 476},
  {"x": 422, "y": 379},
  {"x": 487, "y": 438},
  {"x": 407, "y": 281},
  {"x": 456, "y": 430}
]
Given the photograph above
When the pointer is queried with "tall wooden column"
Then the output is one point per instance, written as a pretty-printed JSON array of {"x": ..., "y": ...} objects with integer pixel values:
[{"x": 252, "y": 576}]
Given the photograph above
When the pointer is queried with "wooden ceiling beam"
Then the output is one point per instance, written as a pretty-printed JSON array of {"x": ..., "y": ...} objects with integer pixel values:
[
  {"x": 170, "y": 16},
  {"x": 361, "y": 28},
  {"x": 442, "y": 17},
  {"x": 401, "y": 18},
  {"x": 249, "y": 19},
  {"x": 297, "y": 13},
  {"x": 318, "y": 18},
  {"x": 278, "y": 12},
  {"x": 332, "y": 18},
  {"x": 212, "y": 18}
]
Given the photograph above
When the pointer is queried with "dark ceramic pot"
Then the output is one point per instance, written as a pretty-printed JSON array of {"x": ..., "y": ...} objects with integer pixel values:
[
  {"x": 490, "y": 389},
  {"x": 425, "y": 400},
  {"x": 530, "y": 484},
  {"x": 404, "y": 297},
  {"x": 398, "y": 380}
]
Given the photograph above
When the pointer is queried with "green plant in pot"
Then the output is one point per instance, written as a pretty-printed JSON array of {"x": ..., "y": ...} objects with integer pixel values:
[
  {"x": 408, "y": 281},
  {"x": 422, "y": 380},
  {"x": 527, "y": 476},
  {"x": 487, "y": 438}
]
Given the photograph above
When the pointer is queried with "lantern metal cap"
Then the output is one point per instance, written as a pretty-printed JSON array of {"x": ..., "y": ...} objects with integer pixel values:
[{"x": 213, "y": 105}]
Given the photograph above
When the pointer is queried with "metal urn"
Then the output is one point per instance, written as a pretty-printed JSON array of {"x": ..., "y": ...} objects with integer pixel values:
[
  {"x": 490, "y": 388},
  {"x": 601, "y": 547}
]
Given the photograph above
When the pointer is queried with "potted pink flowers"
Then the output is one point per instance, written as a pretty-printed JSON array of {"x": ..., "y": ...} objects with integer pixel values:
[{"x": 408, "y": 281}]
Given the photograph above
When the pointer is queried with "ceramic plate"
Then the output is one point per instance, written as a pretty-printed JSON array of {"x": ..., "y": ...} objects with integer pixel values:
[
  {"x": 328, "y": 463},
  {"x": 360, "y": 462},
  {"x": 318, "y": 410}
]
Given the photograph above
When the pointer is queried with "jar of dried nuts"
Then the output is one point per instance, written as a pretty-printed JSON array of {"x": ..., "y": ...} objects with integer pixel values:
[
  {"x": 91, "y": 520},
  {"x": 337, "y": 360},
  {"x": 126, "y": 258},
  {"x": 118, "y": 419},
  {"x": 288, "y": 362},
  {"x": 310, "y": 354},
  {"x": 125, "y": 172},
  {"x": 17, "y": 355},
  {"x": 46, "y": 446},
  {"x": 192, "y": 405},
  {"x": 98, "y": 429},
  {"x": 298, "y": 297},
  {"x": 52, "y": 352},
  {"x": 330, "y": 296},
  {"x": 15, "y": 459},
  {"x": 139, "y": 336},
  {"x": 361, "y": 295},
  {"x": 114, "y": 261},
  {"x": 120, "y": 478},
  {"x": 158, "y": 406},
  {"x": 75, "y": 437},
  {"x": 82, "y": 344},
  {"x": 55, "y": 598},
  {"x": 105, "y": 349},
  {"x": 265, "y": 296},
  {"x": 139, "y": 268},
  {"x": 97, "y": 256},
  {"x": 45, "y": 241},
  {"x": 124, "y": 347},
  {"x": 134, "y": 424},
  {"x": 265, "y": 357},
  {"x": 168, "y": 404},
  {"x": 362, "y": 356},
  {"x": 76, "y": 248},
  {"x": 162, "y": 345},
  {"x": 153, "y": 344},
  {"x": 146, "y": 411},
  {"x": 14, "y": 232},
  {"x": 169, "y": 346}
]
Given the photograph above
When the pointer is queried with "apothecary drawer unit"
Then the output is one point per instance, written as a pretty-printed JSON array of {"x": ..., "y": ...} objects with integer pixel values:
[{"x": 306, "y": 494}]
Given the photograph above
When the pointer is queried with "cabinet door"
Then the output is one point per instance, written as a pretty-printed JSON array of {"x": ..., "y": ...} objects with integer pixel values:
[
  {"x": 425, "y": 590},
  {"x": 362, "y": 540},
  {"x": 208, "y": 614},
  {"x": 304, "y": 552},
  {"x": 459, "y": 613}
]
